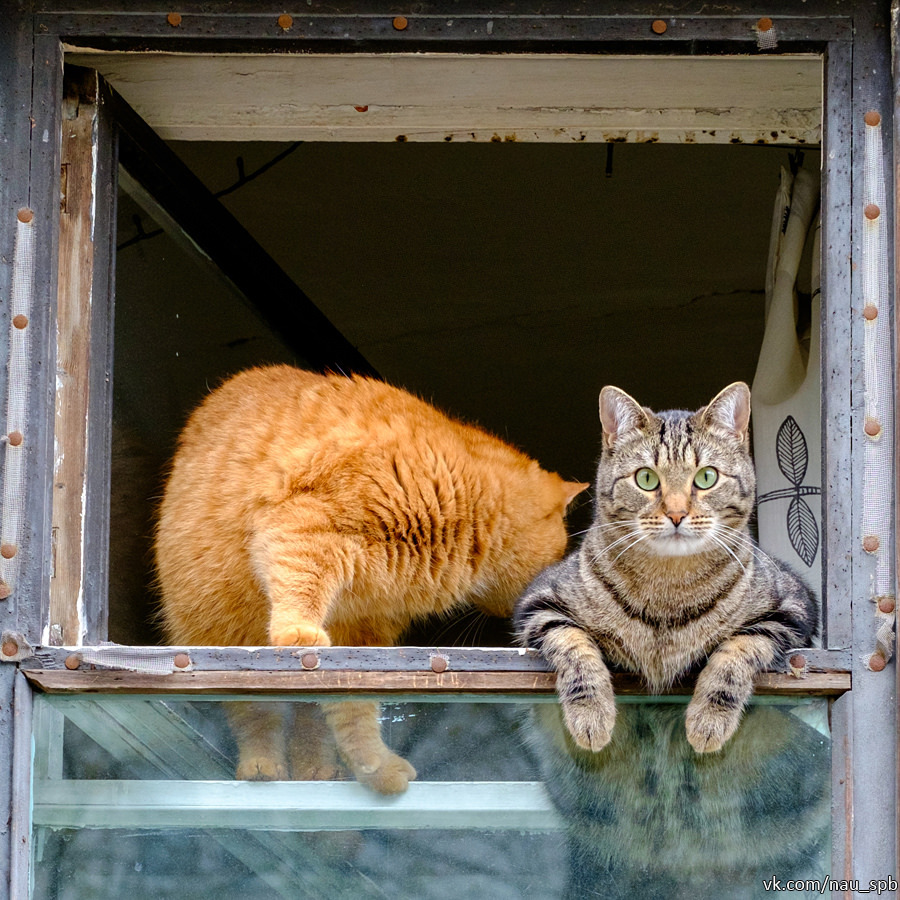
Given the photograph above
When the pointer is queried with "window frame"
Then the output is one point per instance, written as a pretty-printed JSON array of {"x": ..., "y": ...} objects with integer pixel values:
[{"x": 854, "y": 42}]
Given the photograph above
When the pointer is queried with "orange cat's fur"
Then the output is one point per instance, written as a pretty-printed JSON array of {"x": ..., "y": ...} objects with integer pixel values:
[{"x": 305, "y": 509}]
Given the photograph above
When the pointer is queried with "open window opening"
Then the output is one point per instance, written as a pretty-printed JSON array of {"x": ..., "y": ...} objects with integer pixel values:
[{"x": 505, "y": 274}]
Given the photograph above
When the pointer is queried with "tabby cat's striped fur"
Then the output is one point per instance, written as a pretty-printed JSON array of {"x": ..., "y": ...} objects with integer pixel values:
[{"x": 668, "y": 576}]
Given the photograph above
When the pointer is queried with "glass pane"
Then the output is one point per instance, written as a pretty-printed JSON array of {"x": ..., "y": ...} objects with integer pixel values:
[{"x": 135, "y": 797}]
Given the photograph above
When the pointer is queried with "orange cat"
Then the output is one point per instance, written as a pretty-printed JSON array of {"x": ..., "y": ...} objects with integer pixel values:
[{"x": 305, "y": 509}]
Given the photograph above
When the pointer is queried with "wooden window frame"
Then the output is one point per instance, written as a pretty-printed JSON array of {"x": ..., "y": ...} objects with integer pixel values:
[{"x": 854, "y": 40}]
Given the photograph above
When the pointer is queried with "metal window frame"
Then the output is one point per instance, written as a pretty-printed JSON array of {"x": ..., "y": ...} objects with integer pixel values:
[{"x": 855, "y": 41}]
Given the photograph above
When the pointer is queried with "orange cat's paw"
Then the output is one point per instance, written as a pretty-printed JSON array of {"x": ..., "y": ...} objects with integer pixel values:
[
  {"x": 316, "y": 764},
  {"x": 300, "y": 635},
  {"x": 391, "y": 777},
  {"x": 261, "y": 768}
]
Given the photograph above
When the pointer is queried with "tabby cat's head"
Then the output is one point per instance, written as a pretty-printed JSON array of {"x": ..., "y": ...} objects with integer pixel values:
[{"x": 674, "y": 483}]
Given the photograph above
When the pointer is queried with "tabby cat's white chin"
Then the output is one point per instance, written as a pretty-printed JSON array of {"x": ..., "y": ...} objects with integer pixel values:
[{"x": 678, "y": 545}]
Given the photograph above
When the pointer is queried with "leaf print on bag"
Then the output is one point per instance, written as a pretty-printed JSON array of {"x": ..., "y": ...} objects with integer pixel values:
[{"x": 792, "y": 454}]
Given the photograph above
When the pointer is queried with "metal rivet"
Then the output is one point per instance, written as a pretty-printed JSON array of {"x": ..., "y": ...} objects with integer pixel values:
[
  {"x": 174, "y": 19},
  {"x": 285, "y": 21},
  {"x": 872, "y": 427},
  {"x": 361, "y": 108},
  {"x": 886, "y": 604},
  {"x": 659, "y": 27},
  {"x": 870, "y": 312},
  {"x": 439, "y": 664},
  {"x": 182, "y": 660},
  {"x": 765, "y": 24},
  {"x": 877, "y": 662},
  {"x": 10, "y": 647},
  {"x": 73, "y": 661},
  {"x": 15, "y": 438},
  {"x": 871, "y": 543},
  {"x": 872, "y": 211},
  {"x": 797, "y": 661},
  {"x": 5, "y": 590},
  {"x": 7, "y": 551},
  {"x": 25, "y": 215},
  {"x": 20, "y": 321},
  {"x": 873, "y": 118},
  {"x": 400, "y": 22},
  {"x": 309, "y": 661}
]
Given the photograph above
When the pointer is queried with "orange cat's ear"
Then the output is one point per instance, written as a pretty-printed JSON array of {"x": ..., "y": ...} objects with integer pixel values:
[
  {"x": 571, "y": 489},
  {"x": 620, "y": 415},
  {"x": 729, "y": 411}
]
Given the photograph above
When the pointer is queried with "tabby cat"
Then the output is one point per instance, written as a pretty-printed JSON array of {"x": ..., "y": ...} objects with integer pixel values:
[
  {"x": 668, "y": 577},
  {"x": 310, "y": 510}
]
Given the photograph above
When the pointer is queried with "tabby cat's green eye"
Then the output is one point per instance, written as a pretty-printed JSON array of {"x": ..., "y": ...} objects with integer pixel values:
[
  {"x": 706, "y": 477},
  {"x": 647, "y": 479}
]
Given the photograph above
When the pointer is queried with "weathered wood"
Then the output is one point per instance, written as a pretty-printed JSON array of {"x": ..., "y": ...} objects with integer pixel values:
[
  {"x": 334, "y": 682},
  {"x": 161, "y": 660},
  {"x": 445, "y": 97},
  {"x": 76, "y": 241}
]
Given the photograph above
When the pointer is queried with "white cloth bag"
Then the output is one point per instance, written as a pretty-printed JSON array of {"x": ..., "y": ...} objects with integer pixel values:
[{"x": 786, "y": 393}]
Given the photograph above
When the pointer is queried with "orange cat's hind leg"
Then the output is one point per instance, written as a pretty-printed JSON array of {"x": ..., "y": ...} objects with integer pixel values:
[
  {"x": 258, "y": 730},
  {"x": 311, "y": 748},
  {"x": 302, "y": 564},
  {"x": 358, "y": 736}
]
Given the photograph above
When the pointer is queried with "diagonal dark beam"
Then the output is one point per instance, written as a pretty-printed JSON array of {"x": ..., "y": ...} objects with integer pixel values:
[{"x": 280, "y": 302}]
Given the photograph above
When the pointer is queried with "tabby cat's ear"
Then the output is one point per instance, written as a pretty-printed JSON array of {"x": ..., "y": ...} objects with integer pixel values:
[
  {"x": 620, "y": 415},
  {"x": 728, "y": 411}
]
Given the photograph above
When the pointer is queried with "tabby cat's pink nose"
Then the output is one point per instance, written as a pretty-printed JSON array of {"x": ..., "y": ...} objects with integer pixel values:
[{"x": 676, "y": 517}]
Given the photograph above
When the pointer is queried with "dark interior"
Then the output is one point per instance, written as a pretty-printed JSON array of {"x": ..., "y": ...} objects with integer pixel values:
[{"x": 506, "y": 283}]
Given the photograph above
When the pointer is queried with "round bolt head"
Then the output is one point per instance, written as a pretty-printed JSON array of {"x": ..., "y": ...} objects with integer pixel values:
[
  {"x": 873, "y": 118},
  {"x": 174, "y": 19},
  {"x": 20, "y": 321},
  {"x": 872, "y": 211},
  {"x": 877, "y": 662},
  {"x": 25, "y": 215},
  {"x": 765, "y": 24},
  {"x": 439, "y": 664},
  {"x": 309, "y": 661},
  {"x": 872, "y": 427},
  {"x": 182, "y": 660},
  {"x": 797, "y": 661},
  {"x": 10, "y": 648},
  {"x": 5, "y": 590},
  {"x": 400, "y": 23},
  {"x": 7, "y": 551},
  {"x": 73, "y": 661},
  {"x": 659, "y": 27},
  {"x": 285, "y": 21},
  {"x": 887, "y": 604},
  {"x": 870, "y": 312},
  {"x": 871, "y": 543},
  {"x": 15, "y": 438}
]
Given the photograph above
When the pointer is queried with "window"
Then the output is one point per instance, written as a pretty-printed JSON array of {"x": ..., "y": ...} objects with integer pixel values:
[{"x": 368, "y": 221}]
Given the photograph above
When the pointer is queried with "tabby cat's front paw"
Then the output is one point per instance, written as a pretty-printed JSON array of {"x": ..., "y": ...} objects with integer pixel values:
[
  {"x": 261, "y": 768},
  {"x": 391, "y": 777},
  {"x": 590, "y": 722},
  {"x": 709, "y": 725}
]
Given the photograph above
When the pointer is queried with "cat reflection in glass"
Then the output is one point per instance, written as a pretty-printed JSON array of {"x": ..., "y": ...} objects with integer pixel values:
[{"x": 667, "y": 581}]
